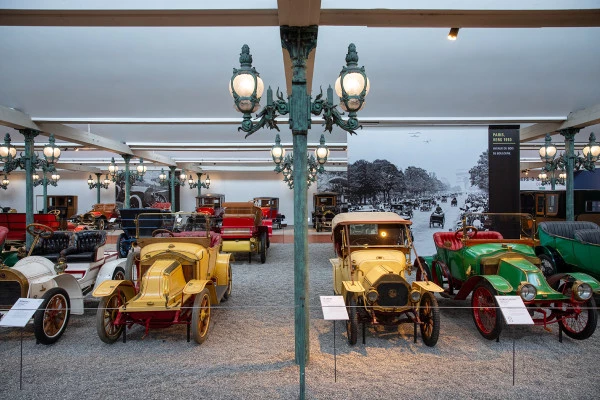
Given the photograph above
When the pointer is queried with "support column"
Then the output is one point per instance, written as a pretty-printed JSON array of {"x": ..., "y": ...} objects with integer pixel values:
[
  {"x": 172, "y": 181},
  {"x": 98, "y": 187},
  {"x": 569, "y": 135},
  {"x": 299, "y": 42},
  {"x": 29, "y": 134},
  {"x": 127, "y": 200},
  {"x": 45, "y": 191}
]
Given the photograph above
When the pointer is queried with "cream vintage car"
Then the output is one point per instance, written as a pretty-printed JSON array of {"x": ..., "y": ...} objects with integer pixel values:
[{"x": 371, "y": 272}]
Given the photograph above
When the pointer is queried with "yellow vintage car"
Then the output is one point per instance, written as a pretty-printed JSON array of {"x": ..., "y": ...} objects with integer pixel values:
[
  {"x": 179, "y": 278},
  {"x": 371, "y": 272}
]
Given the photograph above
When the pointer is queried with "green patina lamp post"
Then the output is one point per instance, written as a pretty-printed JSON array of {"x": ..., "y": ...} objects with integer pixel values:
[
  {"x": 28, "y": 161},
  {"x": 180, "y": 181},
  {"x": 126, "y": 176},
  {"x": 569, "y": 161},
  {"x": 98, "y": 185},
  {"x": 246, "y": 87},
  {"x": 198, "y": 183},
  {"x": 44, "y": 181}
]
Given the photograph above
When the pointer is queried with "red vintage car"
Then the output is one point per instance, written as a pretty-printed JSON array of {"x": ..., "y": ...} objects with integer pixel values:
[
  {"x": 211, "y": 204},
  {"x": 270, "y": 210},
  {"x": 243, "y": 230}
]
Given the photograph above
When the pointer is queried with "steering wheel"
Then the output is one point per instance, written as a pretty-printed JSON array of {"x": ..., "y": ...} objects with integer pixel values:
[
  {"x": 54, "y": 212},
  {"x": 41, "y": 230},
  {"x": 471, "y": 232},
  {"x": 158, "y": 232}
]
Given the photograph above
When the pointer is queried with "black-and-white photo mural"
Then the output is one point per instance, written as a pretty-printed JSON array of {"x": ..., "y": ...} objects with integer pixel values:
[
  {"x": 144, "y": 193},
  {"x": 430, "y": 175}
]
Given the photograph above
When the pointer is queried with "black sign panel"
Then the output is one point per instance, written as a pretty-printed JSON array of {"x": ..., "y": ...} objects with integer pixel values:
[{"x": 503, "y": 156}]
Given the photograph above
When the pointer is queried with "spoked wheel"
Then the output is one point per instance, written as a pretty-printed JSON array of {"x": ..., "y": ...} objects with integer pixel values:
[
  {"x": 352, "y": 323},
  {"x": 263, "y": 248},
  {"x": 429, "y": 314},
  {"x": 486, "y": 313},
  {"x": 581, "y": 321},
  {"x": 547, "y": 265},
  {"x": 118, "y": 274},
  {"x": 108, "y": 310},
  {"x": 51, "y": 318},
  {"x": 441, "y": 277},
  {"x": 100, "y": 224},
  {"x": 123, "y": 246},
  {"x": 201, "y": 316},
  {"x": 419, "y": 276}
]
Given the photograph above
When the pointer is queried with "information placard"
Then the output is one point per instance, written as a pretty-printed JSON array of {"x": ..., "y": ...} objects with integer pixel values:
[
  {"x": 334, "y": 308},
  {"x": 20, "y": 314},
  {"x": 514, "y": 310}
]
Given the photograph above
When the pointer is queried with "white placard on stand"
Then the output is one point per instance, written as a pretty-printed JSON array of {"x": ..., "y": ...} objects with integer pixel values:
[
  {"x": 514, "y": 310},
  {"x": 20, "y": 314},
  {"x": 112, "y": 220},
  {"x": 333, "y": 308}
]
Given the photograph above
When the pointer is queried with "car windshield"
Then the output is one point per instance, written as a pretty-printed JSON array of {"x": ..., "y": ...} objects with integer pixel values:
[
  {"x": 377, "y": 234},
  {"x": 510, "y": 226},
  {"x": 325, "y": 201}
]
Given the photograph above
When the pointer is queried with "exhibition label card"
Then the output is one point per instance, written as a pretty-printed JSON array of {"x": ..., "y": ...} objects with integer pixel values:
[
  {"x": 20, "y": 314},
  {"x": 514, "y": 310},
  {"x": 333, "y": 308}
]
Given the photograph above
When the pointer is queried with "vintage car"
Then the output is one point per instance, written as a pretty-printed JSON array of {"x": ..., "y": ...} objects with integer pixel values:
[
  {"x": 212, "y": 204},
  {"x": 61, "y": 268},
  {"x": 426, "y": 204},
  {"x": 371, "y": 273},
  {"x": 326, "y": 206},
  {"x": 437, "y": 218},
  {"x": 270, "y": 210},
  {"x": 176, "y": 281},
  {"x": 569, "y": 246},
  {"x": 243, "y": 230},
  {"x": 502, "y": 261},
  {"x": 131, "y": 228}
]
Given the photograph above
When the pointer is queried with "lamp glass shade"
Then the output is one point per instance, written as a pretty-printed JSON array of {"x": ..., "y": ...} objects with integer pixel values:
[
  {"x": 594, "y": 150},
  {"x": 277, "y": 152},
  {"x": 35, "y": 177},
  {"x": 51, "y": 153},
  {"x": 113, "y": 168},
  {"x": 243, "y": 84},
  {"x": 55, "y": 177},
  {"x": 90, "y": 180},
  {"x": 321, "y": 152},
  {"x": 182, "y": 176},
  {"x": 141, "y": 169},
  {"x": 5, "y": 181},
  {"x": 547, "y": 152},
  {"x": 106, "y": 181},
  {"x": 207, "y": 181},
  {"x": 6, "y": 151},
  {"x": 354, "y": 83}
]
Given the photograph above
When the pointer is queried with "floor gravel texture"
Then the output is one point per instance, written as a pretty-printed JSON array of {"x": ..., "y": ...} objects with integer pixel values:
[{"x": 249, "y": 353}]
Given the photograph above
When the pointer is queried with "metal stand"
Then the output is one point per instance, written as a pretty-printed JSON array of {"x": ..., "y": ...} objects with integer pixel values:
[
  {"x": 415, "y": 332},
  {"x": 21, "y": 366},
  {"x": 334, "y": 356},
  {"x": 560, "y": 333},
  {"x": 513, "y": 361},
  {"x": 188, "y": 332},
  {"x": 364, "y": 329},
  {"x": 125, "y": 334}
]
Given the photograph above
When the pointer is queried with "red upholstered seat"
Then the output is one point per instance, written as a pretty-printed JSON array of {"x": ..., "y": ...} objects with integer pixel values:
[
  {"x": 3, "y": 235},
  {"x": 447, "y": 240}
]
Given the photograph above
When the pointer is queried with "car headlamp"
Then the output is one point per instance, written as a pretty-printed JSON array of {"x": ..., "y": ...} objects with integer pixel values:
[
  {"x": 582, "y": 291},
  {"x": 527, "y": 291},
  {"x": 372, "y": 296},
  {"x": 415, "y": 296}
]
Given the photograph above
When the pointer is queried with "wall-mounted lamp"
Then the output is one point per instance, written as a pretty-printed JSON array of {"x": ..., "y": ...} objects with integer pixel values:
[{"x": 453, "y": 34}]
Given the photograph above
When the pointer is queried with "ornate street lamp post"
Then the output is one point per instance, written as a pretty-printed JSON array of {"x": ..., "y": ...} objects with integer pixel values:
[
  {"x": 198, "y": 183},
  {"x": 180, "y": 181},
  {"x": 126, "y": 176},
  {"x": 246, "y": 88},
  {"x": 98, "y": 184},
  {"x": 29, "y": 161},
  {"x": 44, "y": 181}
]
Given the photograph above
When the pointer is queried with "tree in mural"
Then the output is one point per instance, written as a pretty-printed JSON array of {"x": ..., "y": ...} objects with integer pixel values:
[{"x": 479, "y": 174}]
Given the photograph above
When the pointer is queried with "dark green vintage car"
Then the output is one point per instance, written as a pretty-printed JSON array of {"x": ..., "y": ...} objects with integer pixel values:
[
  {"x": 569, "y": 246},
  {"x": 499, "y": 259}
]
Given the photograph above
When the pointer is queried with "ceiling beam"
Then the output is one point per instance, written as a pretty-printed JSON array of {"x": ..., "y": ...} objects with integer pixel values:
[
  {"x": 78, "y": 167},
  {"x": 138, "y": 18},
  {"x": 16, "y": 119},
  {"x": 577, "y": 119},
  {"x": 298, "y": 13},
  {"x": 155, "y": 157},
  {"x": 333, "y": 17},
  {"x": 461, "y": 18},
  {"x": 64, "y": 132}
]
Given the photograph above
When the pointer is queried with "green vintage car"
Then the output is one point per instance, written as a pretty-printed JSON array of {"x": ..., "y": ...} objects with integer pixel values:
[
  {"x": 501, "y": 260},
  {"x": 569, "y": 246}
]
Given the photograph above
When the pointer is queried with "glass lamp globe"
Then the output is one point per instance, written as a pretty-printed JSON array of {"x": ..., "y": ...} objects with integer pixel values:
[
  {"x": 106, "y": 180},
  {"x": 5, "y": 181},
  {"x": 90, "y": 180},
  {"x": 207, "y": 181},
  {"x": 55, "y": 177},
  {"x": 52, "y": 153},
  {"x": 35, "y": 176}
]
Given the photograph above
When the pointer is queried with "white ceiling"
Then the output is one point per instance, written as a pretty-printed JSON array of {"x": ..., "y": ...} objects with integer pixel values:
[{"x": 180, "y": 74}]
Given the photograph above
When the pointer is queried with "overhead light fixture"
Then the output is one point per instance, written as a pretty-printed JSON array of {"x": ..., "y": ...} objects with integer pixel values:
[{"x": 453, "y": 34}]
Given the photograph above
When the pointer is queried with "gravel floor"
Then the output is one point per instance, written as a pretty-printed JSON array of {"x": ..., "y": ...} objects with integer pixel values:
[{"x": 249, "y": 353}]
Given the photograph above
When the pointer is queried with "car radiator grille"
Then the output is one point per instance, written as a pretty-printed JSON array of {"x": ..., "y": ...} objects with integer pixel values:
[
  {"x": 10, "y": 292},
  {"x": 392, "y": 294}
]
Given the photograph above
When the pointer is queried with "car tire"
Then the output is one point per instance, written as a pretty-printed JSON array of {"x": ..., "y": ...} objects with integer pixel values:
[
  {"x": 580, "y": 324},
  {"x": 118, "y": 274},
  {"x": 547, "y": 265},
  {"x": 123, "y": 246},
  {"x": 352, "y": 323},
  {"x": 108, "y": 310},
  {"x": 100, "y": 224},
  {"x": 429, "y": 314},
  {"x": 263, "y": 247},
  {"x": 486, "y": 314},
  {"x": 419, "y": 275},
  {"x": 201, "y": 316},
  {"x": 51, "y": 318}
]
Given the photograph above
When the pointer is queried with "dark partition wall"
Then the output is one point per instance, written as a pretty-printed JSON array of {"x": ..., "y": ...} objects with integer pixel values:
[{"x": 504, "y": 183}]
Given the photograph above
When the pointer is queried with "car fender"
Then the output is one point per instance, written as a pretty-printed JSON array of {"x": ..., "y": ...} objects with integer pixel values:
[
  {"x": 67, "y": 282},
  {"x": 573, "y": 276},
  {"x": 553, "y": 254},
  {"x": 428, "y": 286},
  {"x": 195, "y": 286},
  {"x": 352, "y": 287},
  {"x": 497, "y": 282},
  {"x": 107, "y": 270},
  {"x": 222, "y": 267},
  {"x": 108, "y": 287}
]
